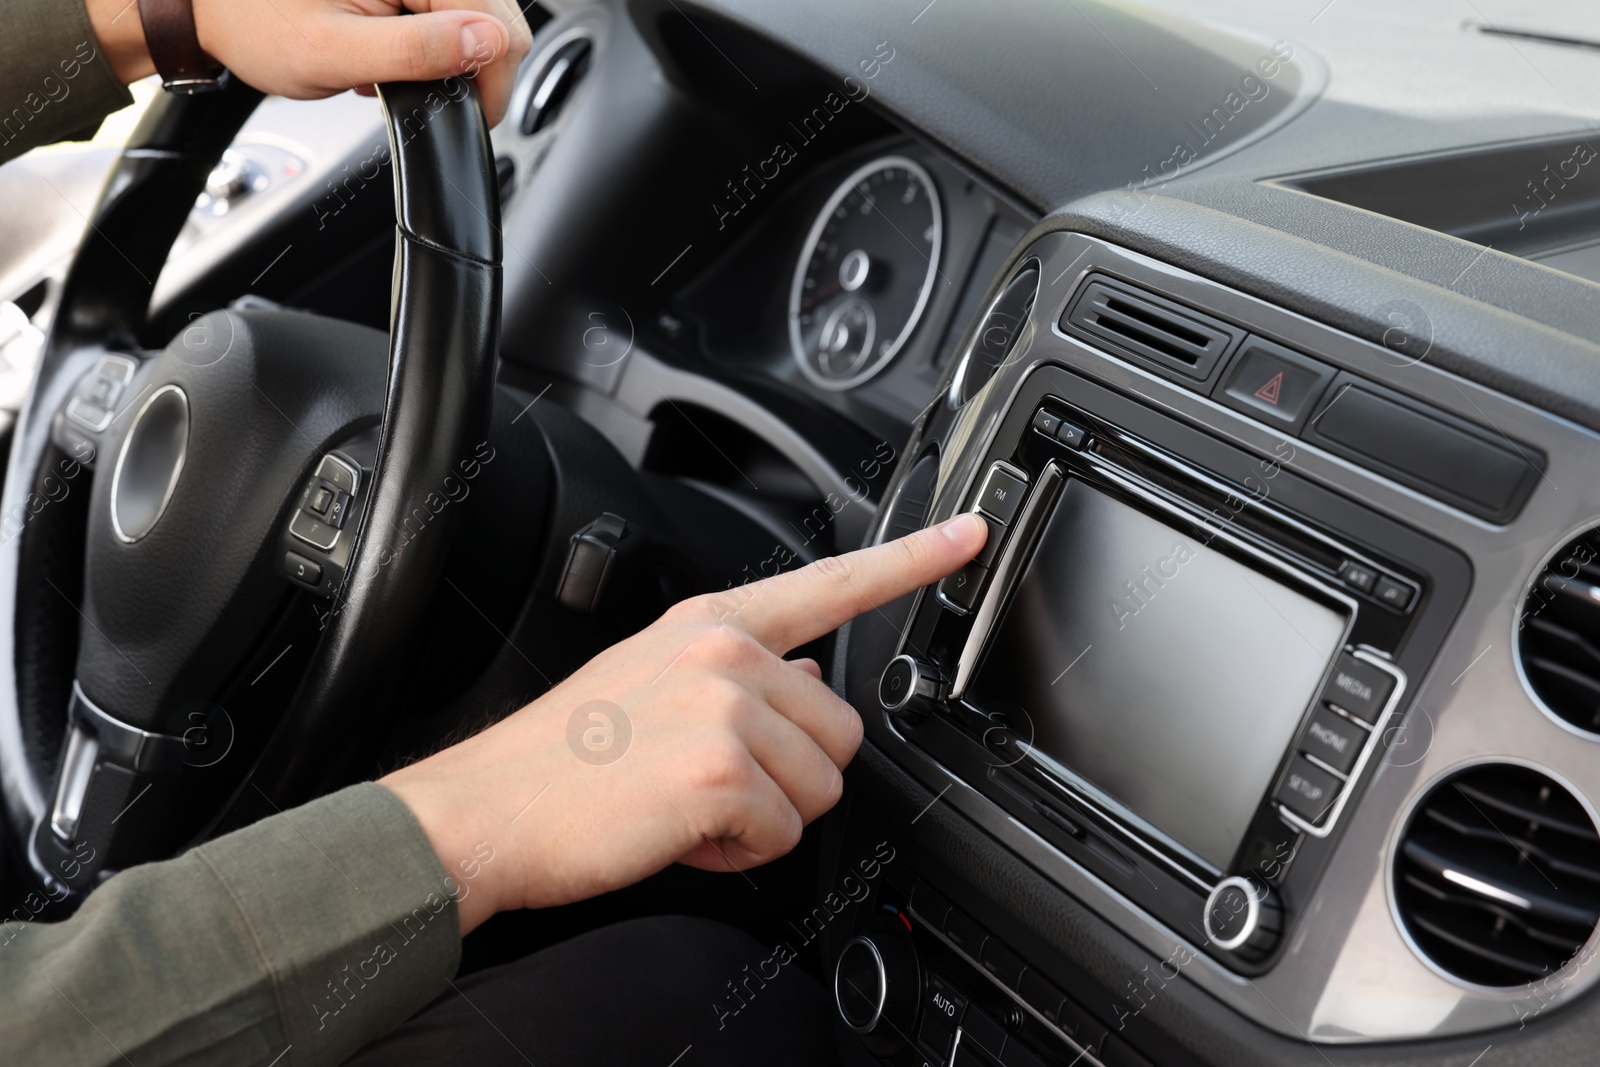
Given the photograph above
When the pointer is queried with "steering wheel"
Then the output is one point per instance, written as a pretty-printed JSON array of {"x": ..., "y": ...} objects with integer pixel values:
[{"x": 208, "y": 572}]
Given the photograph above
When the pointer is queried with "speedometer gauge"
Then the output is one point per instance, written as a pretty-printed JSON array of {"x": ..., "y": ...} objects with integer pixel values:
[{"x": 865, "y": 273}]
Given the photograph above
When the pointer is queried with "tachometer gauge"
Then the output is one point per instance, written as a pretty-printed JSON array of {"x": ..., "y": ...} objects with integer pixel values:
[{"x": 865, "y": 273}]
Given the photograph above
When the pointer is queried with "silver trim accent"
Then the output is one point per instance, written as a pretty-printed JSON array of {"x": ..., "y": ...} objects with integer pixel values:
[
  {"x": 921, "y": 685},
  {"x": 958, "y": 377},
  {"x": 1516, "y": 632},
  {"x": 531, "y": 82},
  {"x": 1484, "y": 889},
  {"x": 350, "y": 468},
  {"x": 874, "y": 364},
  {"x": 172, "y": 477},
  {"x": 1374, "y": 740},
  {"x": 1251, "y": 921},
  {"x": 1025, "y": 529},
  {"x": 883, "y": 983},
  {"x": 77, "y": 770}
]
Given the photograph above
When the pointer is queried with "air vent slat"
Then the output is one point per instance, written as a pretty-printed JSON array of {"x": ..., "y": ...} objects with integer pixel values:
[
  {"x": 1151, "y": 330},
  {"x": 1534, "y": 896},
  {"x": 1559, "y": 634},
  {"x": 1497, "y": 877}
]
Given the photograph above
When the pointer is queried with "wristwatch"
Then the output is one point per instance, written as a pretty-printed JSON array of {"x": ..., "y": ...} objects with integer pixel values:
[{"x": 170, "y": 36}]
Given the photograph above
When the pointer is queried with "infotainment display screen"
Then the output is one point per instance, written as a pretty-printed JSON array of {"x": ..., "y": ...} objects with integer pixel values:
[{"x": 1159, "y": 674}]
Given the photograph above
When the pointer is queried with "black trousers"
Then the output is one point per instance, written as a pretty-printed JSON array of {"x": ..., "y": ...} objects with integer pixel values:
[{"x": 652, "y": 992}]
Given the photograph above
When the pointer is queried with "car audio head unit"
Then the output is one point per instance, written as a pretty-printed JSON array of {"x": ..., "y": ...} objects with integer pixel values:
[{"x": 1155, "y": 670}]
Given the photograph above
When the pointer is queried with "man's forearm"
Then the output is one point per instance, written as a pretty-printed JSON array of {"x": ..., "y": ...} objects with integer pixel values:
[
  {"x": 55, "y": 81},
  {"x": 310, "y": 933}
]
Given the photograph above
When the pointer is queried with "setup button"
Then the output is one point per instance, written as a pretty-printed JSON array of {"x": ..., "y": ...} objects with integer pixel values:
[{"x": 1308, "y": 791}]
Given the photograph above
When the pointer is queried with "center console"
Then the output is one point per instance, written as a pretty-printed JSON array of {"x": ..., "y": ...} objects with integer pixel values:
[{"x": 1165, "y": 682}]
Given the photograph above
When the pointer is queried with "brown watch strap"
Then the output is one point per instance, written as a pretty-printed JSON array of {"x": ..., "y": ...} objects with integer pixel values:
[{"x": 174, "y": 45}]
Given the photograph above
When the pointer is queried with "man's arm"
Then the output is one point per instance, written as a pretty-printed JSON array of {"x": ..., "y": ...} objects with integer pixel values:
[
  {"x": 63, "y": 64},
  {"x": 308, "y": 933},
  {"x": 55, "y": 82},
  {"x": 325, "y": 926}
]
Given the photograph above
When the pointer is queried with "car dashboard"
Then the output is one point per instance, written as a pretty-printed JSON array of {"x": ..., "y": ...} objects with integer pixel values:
[{"x": 1268, "y": 349}]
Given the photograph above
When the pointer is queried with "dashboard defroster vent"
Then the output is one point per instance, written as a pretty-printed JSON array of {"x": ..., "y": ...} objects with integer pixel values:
[
  {"x": 1150, "y": 330},
  {"x": 1558, "y": 634},
  {"x": 1497, "y": 876}
]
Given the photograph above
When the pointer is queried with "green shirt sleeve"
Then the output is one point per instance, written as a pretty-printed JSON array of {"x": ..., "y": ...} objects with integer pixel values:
[
  {"x": 54, "y": 83},
  {"x": 293, "y": 941}
]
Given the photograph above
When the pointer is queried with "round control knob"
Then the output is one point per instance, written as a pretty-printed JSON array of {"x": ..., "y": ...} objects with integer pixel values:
[
  {"x": 860, "y": 984},
  {"x": 906, "y": 680},
  {"x": 876, "y": 983},
  {"x": 1244, "y": 918}
]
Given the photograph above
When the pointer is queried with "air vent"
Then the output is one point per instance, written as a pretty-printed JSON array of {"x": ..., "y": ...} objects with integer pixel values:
[
  {"x": 553, "y": 81},
  {"x": 1497, "y": 878},
  {"x": 997, "y": 334},
  {"x": 1150, "y": 330},
  {"x": 1558, "y": 634}
]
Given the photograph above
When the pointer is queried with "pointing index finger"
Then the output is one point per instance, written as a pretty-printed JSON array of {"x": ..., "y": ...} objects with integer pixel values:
[{"x": 791, "y": 609}]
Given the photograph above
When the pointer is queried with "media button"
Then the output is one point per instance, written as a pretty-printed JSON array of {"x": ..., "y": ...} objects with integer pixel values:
[
  {"x": 1308, "y": 791},
  {"x": 1359, "y": 688},
  {"x": 1333, "y": 739},
  {"x": 1001, "y": 494},
  {"x": 1046, "y": 422}
]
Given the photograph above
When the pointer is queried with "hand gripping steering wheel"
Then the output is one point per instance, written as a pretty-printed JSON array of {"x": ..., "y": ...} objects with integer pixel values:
[{"x": 208, "y": 588}]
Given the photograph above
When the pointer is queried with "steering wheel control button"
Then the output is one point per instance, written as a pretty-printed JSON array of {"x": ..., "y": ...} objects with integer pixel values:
[
  {"x": 1275, "y": 384},
  {"x": 93, "y": 403},
  {"x": 318, "y": 535},
  {"x": 1394, "y": 593},
  {"x": 961, "y": 590},
  {"x": 1333, "y": 739},
  {"x": 1308, "y": 790},
  {"x": 1359, "y": 688},
  {"x": 991, "y": 546},
  {"x": 302, "y": 570},
  {"x": 340, "y": 473},
  {"x": 321, "y": 500},
  {"x": 1001, "y": 494},
  {"x": 1358, "y": 576}
]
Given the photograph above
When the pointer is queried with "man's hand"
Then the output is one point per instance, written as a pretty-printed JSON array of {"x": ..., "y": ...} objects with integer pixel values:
[
  {"x": 709, "y": 748},
  {"x": 313, "y": 48}
]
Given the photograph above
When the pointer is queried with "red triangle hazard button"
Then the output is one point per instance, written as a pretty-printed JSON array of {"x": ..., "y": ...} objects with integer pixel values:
[{"x": 1271, "y": 390}]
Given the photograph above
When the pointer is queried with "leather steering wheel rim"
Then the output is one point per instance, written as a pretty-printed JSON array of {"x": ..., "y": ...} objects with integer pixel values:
[{"x": 436, "y": 406}]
